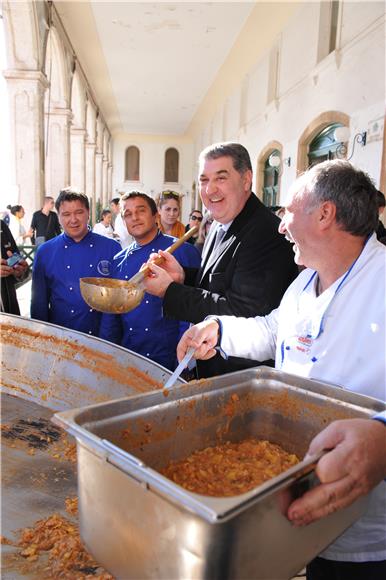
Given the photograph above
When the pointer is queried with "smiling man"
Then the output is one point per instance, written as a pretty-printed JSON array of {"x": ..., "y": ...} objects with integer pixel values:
[
  {"x": 145, "y": 330},
  {"x": 246, "y": 264},
  {"x": 330, "y": 326},
  {"x": 60, "y": 262}
]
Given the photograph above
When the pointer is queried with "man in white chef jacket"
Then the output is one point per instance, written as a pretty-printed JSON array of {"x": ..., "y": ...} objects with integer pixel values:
[{"x": 330, "y": 325}]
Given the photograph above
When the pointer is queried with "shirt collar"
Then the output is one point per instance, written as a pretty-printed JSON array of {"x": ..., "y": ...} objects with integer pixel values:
[{"x": 70, "y": 240}]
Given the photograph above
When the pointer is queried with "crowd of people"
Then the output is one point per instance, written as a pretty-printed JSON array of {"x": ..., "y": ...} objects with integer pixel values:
[{"x": 304, "y": 293}]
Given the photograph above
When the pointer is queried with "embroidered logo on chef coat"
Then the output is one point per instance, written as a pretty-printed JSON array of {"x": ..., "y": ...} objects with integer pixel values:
[{"x": 104, "y": 267}]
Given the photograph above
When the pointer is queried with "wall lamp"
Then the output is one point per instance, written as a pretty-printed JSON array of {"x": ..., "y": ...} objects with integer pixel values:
[
  {"x": 276, "y": 161},
  {"x": 342, "y": 134}
]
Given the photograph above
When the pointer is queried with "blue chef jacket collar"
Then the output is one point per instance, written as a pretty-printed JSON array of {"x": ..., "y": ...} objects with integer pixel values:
[{"x": 70, "y": 240}]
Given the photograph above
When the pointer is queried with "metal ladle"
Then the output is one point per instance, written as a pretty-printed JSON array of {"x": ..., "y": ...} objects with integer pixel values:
[{"x": 119, "y": 296}]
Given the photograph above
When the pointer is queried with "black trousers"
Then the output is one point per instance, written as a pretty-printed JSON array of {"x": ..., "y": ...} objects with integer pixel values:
[{"x": 322, "y": 569}]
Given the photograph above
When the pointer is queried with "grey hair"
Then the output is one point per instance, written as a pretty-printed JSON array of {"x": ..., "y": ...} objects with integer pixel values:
[
  {"x": 238, "y": 153},
  {"x": 350, "y": 189}
]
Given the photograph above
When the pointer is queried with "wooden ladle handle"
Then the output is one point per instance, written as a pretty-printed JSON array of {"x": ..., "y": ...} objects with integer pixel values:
[{"x": 159, "y": 259}]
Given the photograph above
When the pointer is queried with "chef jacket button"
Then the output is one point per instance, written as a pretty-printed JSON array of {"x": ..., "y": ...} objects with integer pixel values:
[
  {"x": 68, "y": 267},
  {"x": 90, "y": 331},
  {"x": 314, "y": 359},
  {"x": 66, "y": 247},
  {"x": 146, "y": 329},
  {"x": 72, "y": 311},
  {"x": 148, "y": 354},
  {"x": 126, "y": 277},
  {"x": 71, "y": 288},
  {"x": 90, "y": 265},
  {"x": 91, "y": 245},
  {"x": 147, "y": 301},
  {"x": 153, "y": 250},
  {"x": 90, "y": 310},
  {"x": 287, "y": 347},
  {"x": 130, "y": 329}
]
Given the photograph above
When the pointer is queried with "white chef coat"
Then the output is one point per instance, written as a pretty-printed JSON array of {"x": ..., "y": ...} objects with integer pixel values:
[
  {"x": 103, "y": 230},
  {"x": 337, "y": 337},
  {"x": 120, "y": 228}
]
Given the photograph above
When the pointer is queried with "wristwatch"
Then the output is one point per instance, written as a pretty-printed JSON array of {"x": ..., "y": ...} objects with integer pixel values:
[{"x": 380, "y": 417}]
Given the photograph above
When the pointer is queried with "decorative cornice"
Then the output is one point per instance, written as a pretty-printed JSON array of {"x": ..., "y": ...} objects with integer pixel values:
[{"x": 26, "y": 75}]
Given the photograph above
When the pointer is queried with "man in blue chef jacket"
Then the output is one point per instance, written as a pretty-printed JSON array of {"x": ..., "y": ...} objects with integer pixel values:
[
  {"x": 144, "y": 329},
  {"x": 60, "y": 263}
]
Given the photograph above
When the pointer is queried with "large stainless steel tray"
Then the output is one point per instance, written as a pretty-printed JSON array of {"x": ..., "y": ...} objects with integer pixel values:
[
  {"x": 139, "y": 524},
  {"x": 63, "y": 369}
]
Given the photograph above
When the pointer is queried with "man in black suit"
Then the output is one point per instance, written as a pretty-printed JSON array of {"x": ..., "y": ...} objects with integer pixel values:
[{"x": 246, "y": 266}]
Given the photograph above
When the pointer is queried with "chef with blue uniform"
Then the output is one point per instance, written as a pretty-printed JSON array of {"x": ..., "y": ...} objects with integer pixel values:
[
  {"x": 145, "y": 330},
  {"x": 60, "y": 263}
]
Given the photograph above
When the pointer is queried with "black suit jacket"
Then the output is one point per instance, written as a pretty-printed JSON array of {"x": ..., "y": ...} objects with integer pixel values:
[{"x": 246, "y": 275}]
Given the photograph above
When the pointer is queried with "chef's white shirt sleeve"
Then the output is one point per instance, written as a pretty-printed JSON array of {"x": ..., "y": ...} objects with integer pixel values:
[{"x": 253, "y": 338}]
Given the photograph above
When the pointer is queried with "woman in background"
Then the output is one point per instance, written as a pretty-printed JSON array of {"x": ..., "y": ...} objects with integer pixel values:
[
  {"x": 16, "y": 225},
  {"x": 169, "y": 209},
  {"x": 203, "y": 231}
]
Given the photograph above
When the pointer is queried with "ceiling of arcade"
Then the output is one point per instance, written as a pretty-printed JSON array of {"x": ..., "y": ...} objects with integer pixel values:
[{"x": 156, "y": 67}]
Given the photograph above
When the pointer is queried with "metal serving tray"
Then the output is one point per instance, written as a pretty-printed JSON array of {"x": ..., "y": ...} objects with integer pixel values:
[{"x": 139, "y": 524}]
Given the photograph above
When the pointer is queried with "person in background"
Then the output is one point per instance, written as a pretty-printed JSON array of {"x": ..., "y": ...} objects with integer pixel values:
[
  {"x": 169, "y": 210},
  {"x": 16, "y": 225},
  {"x": 104, "y": 227},
  {"x": 117, "y": 222},
  {"x": 145, "y": 330},
  {"x": 203, "y": 231},
  {"x": 381, "y": 230},
  {"x": 63, "y": 260},
  {"x": 195, "y": 219},
  {"x": 330, "y": 326},
  {"x": 10, "y": 275},
  {"x": 45, "y": 224},
  {"x": 246, "y": 264}
]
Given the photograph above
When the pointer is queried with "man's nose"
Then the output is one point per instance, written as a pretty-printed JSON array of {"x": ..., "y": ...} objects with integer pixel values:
[{"x": 211, "y": 187}]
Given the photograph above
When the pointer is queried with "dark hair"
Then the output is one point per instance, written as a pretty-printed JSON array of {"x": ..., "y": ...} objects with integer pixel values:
[
  {"x": 350, "y": 189},
  {"x": 195, "y": 211},
  {"x": 133, "y": 194},
  {"x": 115, "y": 200},
  {"x": 163, "y": 197},
  {"x": 380, "y": 199},
  {"x": 105, "y": 212},
  {"x": 239, "y": 155},
  {"x": 15, "y": 209},
  {"x": 70, "y": 194}
]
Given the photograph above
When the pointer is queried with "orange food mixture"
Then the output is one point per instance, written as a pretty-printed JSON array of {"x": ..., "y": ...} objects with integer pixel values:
[
  {"x": 67, "y": 558},
  {"x": 231, "y": 468}
]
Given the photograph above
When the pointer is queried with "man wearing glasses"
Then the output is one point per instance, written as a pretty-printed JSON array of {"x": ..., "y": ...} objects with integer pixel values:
[{"x": 246, "y": 264}]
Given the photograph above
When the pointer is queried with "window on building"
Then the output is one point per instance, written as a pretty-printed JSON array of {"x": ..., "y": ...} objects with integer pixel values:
[
  {"x": 323, "y": 146},
  {"x": 328, "y": 28},
  {"x": 271, "y": 181},
  {"x": 132, "y": 164},
  {"x": 171, "y": 165}
]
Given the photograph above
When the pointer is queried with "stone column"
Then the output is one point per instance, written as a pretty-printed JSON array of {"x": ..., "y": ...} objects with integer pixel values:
[
  {"x": 98, "y": 177},
  {"x": 58, "y": 151},
  {"x": 110, "y": 181},
  {"x": 105, "y": 198},
  {"x": 90, "y": 177},
  {"x": 26, "y": 96},
  {"x": 78, "y": 158}
]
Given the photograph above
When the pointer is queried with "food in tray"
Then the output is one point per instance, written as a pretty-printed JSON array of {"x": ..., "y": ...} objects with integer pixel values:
[{"x": 230, "y": 468}]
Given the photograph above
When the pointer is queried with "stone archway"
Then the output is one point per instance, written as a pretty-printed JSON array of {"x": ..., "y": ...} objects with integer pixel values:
[
  {"x": 57, "y": 116},
  {"x": 317, "y": 125},
  {"x": 78, "y": 133},
  {"x": 264, "y": 154}
]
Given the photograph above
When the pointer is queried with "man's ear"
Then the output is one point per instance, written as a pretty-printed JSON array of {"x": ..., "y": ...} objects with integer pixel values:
[
  {"x": 248, "y": 180},
  {"x": 327, "y": 214}
]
